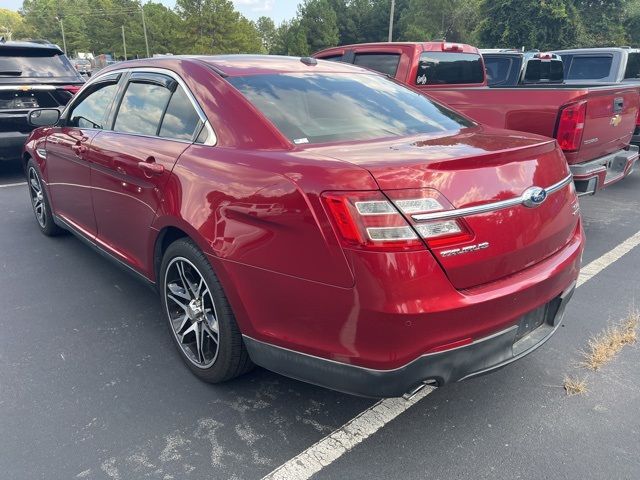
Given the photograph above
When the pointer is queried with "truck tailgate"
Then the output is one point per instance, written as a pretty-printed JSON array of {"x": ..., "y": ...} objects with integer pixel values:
[{"x": 537, "y": 109}]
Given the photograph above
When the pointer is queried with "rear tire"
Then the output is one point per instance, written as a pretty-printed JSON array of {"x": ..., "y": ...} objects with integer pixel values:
[
  {"x": 40, "y": 201},
  {"x": 199, "y": 316}
]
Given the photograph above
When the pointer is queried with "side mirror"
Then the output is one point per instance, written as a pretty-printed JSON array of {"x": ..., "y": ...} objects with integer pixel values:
[{"x": 44, "y": 117}]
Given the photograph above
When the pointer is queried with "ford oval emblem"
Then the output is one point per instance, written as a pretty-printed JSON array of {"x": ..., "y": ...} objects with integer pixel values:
[{"x": 533, "y": 197}]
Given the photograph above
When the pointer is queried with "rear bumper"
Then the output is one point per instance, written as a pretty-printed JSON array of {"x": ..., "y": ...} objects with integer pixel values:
[
  {"x": 11, "y": 144},
  {"x": 481, "y": 356},
  {"x": 589, "y": 177}
]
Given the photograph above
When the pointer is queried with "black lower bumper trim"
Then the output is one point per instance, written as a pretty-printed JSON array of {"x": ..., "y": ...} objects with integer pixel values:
[{"x": 480, "y": 357}]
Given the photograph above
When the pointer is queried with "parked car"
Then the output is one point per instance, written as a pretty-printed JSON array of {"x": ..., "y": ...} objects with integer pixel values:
[
  {"x": 593, "y": 124},
  {"x": 509, "y": 68},
  {"x": 32, "y": 75},
  {"x": 315, "y": 218},
  {"x": 83, "y": 66},
  {"x": 603, "y": 65}
]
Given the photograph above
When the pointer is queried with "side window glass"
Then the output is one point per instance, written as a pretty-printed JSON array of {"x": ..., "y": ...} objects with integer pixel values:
[
  {"x": 633, "y": 66},
  {"x": 380, "y": 62},
  {"x": 180, "y": 120},
  {"x": 141, "y": 109},
  {"x": 92, "y": 110}
]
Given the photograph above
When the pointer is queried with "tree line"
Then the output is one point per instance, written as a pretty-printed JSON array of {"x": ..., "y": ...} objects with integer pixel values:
[{"x": 215, "y": 26}]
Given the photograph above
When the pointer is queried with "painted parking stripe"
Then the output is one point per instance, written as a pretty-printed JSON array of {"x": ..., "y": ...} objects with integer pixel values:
[
  {"x": 20, "y": 184},
  {"x": 323, "y": 453}
]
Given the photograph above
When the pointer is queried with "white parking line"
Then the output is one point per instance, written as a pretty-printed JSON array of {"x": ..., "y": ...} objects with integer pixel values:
[
  {"x": 323, "y": 453},
  {"x": 20, "y": 184}
]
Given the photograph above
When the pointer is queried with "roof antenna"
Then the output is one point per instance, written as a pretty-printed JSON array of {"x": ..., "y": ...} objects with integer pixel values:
[{"x": 310, "y": 61}]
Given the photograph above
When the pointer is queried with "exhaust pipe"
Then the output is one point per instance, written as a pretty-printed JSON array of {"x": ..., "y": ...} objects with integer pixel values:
[{"x": 414, "y": 391}]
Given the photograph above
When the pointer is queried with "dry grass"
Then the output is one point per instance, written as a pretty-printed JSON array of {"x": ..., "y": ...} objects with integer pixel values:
[
  {"x": 574, "y": 386},
  {"x": 605, "y": 346}
]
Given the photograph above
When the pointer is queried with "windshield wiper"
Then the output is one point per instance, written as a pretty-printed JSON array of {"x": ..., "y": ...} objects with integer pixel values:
[{"x": 11, "y": 73}]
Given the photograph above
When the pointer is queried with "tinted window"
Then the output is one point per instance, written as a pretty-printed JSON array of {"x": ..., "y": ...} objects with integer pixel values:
[
  {"x": 437, "y": 68},
  {"x": 316, "y": 108},
  {"x": 380, "y": 62},
  {"x": 332, "y": 58},
  {"x": 633, "y": 66},
  {"x": 142, "y": 108},
  {"x": 543, "y": 71},
  {"x": 589, "y": 67},
  {"x": 92, "y": 110},
  {"x": 30, "y": 63},
  {"x": 498, "y": 69},
  {"x": 180, "y": 120}
]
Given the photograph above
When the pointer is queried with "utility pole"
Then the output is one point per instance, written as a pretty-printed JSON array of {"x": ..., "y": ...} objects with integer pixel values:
[
  {"x": 124, "y": 44},
  {"x": 144, "y": 28},
  {"x": 64, "y": 41},
  {"x": 393, "y": 7}
]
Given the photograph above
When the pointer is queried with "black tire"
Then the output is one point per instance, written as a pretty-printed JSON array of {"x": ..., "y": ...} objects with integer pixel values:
[
  {"x": 231, "y": 359},
  {"x": 40, "y": 201}
]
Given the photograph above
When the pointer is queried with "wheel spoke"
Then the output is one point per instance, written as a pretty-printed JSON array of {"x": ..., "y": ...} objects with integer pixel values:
[
  {"x": 188, "y": 286},
  {"x": 183, "y": 322},
  {"x": 35, "y": 185},
  {"x": 178, "y": 302},
  {"x": 211, "y": 332}
]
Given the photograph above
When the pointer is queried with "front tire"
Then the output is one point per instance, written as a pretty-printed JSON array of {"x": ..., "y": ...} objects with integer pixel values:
[
  {"x": 199, "y": 316},
  {"x": 40, "y": 201}
]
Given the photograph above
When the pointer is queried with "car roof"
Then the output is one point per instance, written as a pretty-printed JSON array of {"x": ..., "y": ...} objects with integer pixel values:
[
  {"x": 598, "y": 50},
  {"x": 30, "y": 45},
  {"x": 437, "y": 46},
  {"x": 244, "y": 65}
]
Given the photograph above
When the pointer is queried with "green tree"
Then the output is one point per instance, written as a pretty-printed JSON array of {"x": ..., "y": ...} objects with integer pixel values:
[
  {"x": 453, "y": 20},
  {"x": 10, "y": 23},
  {"x": 290, "y": 39},
  {"x": 267, "y": 31},
  {"x": 319, "y": 23},
  {"x": 542, "y": 24},
  {"x": 604, "y": 22}
]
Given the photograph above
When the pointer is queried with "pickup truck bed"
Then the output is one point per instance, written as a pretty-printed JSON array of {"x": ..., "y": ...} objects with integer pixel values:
[
  {"x": 592, "y": 123},
  {"x": 604, "y": 155}
]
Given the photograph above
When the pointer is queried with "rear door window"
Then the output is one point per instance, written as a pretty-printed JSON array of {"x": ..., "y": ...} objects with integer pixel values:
[
  {"x": 633, "y": 67},
  {"x": 380, "y": 62},
  {"x": 543, "y": 71},
  {"x": 443, "y": 68},
  {"x": 91, "y": 111},
  {"x": 499, "y": 69},
  {"x": 332, "y": 58},
  {"x": 589, "y": 67},
  {"x": 142, "y": 108},
  {"x": 181, "y": 119}
]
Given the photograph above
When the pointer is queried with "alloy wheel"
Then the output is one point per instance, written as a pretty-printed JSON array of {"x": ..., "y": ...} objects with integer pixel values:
[
  {"x": 192, "y": 312},
  {"x": 37, "y": 197}
]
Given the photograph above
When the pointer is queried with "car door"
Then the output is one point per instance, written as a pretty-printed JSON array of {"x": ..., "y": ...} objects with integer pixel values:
[
  {"x": 68, "y": 171},
  {"x": 154, "y": 123}
]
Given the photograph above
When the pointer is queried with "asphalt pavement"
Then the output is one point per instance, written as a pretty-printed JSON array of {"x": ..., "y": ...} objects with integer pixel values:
[{"x": 92, "y": 387}]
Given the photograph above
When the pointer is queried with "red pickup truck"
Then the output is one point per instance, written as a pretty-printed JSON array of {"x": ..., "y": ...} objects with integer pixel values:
[{"x": 593, "y": 124}]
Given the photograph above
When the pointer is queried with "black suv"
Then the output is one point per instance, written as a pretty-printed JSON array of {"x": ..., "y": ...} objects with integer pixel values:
[{"x": 32, "y": 75}]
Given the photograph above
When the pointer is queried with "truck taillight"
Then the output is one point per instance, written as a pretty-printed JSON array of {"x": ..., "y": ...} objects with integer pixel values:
[
  {"x": 544, "y": 56},
  {"x": 571, "y": 126},
  {"x": 638, "y": 118},
  {"x": 373, "y": 221}
]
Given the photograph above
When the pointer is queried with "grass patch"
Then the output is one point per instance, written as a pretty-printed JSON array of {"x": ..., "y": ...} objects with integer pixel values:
[
  {"x": 574, "y": 386},
  {"x": 603, "y": 347}
]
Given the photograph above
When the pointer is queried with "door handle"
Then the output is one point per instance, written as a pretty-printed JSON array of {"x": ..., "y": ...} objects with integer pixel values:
[
  {"x": 79, "y": 149},
  {"x": 150, "y": 167}
]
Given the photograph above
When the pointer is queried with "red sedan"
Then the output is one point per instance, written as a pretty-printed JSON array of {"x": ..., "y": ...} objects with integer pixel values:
[{"x": 314, "y": 218}]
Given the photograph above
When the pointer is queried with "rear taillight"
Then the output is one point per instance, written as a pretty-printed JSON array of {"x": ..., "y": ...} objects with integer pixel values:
[
  {"x": 72, "y": 89},
  {"x": 638, "y": 119},
  {"x": 373, "y": 221},
  {"x": 571, "y": 126}
]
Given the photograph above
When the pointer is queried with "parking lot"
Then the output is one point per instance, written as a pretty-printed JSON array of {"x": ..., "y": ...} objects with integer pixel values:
[{"x": 92, "y": 387}]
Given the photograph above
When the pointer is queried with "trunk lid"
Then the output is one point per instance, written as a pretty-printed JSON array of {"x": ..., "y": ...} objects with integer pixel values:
[{"x": 474, "y": 167}]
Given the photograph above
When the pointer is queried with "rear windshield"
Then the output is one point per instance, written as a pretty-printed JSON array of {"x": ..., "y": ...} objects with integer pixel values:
[
  {"x": 633, "y": 66},
  {"x": 498, "y": 69},
  {"x": 319, "y": 108},
  {"x": 544, "y": 71},
  {"x": 589, "y": 67},
  {"x": 438, "y": 68},
  {"x": 34, "y": 63}
]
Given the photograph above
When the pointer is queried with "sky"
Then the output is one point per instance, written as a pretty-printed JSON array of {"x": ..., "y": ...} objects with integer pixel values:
[{"x": 279, "y": 10}]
